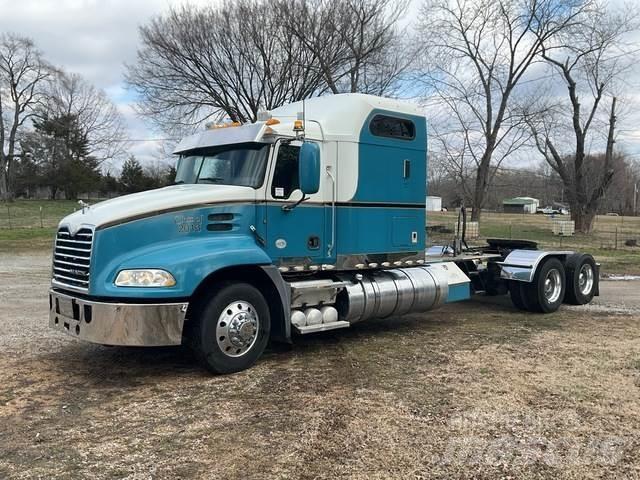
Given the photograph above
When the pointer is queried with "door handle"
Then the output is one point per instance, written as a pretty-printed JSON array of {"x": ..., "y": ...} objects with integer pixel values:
[{"x": 257, "y": 235}]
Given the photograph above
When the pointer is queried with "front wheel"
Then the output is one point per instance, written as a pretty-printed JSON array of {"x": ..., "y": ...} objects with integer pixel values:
[{"x": 231, "y": 328}]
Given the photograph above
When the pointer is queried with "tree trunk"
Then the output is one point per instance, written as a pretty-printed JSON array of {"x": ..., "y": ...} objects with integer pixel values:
[
  {"x": 482, "y": 176},
  {"x": 583, "y": 219},
  {"x": 6, "y": 193},
  {"x": 3, "y": 183},
  {"x": 585, "y": 206},
  {"x": 478, "y": 200}
]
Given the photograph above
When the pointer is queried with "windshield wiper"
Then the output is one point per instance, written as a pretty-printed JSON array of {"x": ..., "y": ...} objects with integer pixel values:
[
  {"x": 210, "y": 179},
  {"x": 178, "y": 182}
]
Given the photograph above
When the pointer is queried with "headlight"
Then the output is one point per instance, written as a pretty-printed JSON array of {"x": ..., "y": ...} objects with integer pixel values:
[{"x": 145, "y": 278}]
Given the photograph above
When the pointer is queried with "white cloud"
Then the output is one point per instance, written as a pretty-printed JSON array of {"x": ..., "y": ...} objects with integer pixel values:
[{"x": 92, "y": 38}]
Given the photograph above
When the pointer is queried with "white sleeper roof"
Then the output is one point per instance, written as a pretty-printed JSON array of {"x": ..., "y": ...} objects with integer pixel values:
[{"x": 331, "y": 117}]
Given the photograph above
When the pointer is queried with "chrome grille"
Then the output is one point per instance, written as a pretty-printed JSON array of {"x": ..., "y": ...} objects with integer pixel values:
[{"x": 72, "y": 258}]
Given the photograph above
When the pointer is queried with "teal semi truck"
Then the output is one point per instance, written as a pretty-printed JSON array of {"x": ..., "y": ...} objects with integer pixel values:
[{"x": 310, "y": 219}]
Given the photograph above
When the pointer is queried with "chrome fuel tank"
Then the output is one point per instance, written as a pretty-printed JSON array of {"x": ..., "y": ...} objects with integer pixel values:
[{"x": 384, "y": 293}]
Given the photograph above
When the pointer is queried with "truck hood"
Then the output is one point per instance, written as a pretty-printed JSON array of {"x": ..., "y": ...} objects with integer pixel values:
[{"x": 153, "y": 202}]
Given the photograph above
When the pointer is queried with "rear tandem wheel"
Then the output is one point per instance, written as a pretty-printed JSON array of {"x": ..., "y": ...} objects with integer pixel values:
[{"x": 545, "y": 293}]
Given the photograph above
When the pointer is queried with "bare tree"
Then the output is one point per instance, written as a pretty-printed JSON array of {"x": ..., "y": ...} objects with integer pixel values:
[
  {"x": 236, "y": 59},
  {"x": 588, "y": 58},
  {"x": 97, "y": 118},
  {"x": 451, "y": 153},
  {"x": 356, "y": 43},
  {"x": 199, "y": 63},
  {"x": 477, "y": 52},
  {"x": 461, "y": 144},
  {"x": 22, "y": 75}
]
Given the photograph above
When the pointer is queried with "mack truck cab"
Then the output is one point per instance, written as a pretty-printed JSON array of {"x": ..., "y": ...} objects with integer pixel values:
[{"x": 310, "y": 219}]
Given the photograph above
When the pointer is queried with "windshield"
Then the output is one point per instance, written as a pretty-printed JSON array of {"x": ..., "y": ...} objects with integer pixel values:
[{"x": 227, "y": 165}]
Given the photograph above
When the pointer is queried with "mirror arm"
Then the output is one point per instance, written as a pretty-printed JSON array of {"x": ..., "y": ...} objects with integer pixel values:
[{"x": 291, "y": 206}]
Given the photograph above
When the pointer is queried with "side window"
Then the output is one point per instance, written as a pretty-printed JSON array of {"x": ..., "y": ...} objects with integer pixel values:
[
  {"x": 285, "y": 175},
  {"x": 392, "y": 127}
]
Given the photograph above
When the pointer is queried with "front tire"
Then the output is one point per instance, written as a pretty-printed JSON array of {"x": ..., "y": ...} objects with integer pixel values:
[{"x": 231, "y": 328}]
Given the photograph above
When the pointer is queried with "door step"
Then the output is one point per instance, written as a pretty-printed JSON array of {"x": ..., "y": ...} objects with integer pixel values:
[{"x": 321, "y": 327}]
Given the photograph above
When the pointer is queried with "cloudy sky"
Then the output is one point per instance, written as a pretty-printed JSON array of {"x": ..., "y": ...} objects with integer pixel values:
[
  {"x": 92, "y": 38},
  {"x": 96, "y": 38}
]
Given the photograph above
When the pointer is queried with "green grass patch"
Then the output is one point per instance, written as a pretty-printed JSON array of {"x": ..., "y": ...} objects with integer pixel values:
[
  {"x": 35, "y": 213},
  {"x": 31, "y": 224},
  {"x": 19, "y": 239}
]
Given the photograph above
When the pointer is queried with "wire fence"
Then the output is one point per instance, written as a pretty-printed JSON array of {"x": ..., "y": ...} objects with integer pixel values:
[
  {"x": 34, "y": 214},
  {"x": 608, "y": 233}
]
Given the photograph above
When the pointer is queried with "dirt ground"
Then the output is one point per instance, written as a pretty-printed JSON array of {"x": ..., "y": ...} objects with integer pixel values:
[{"x": 472, "y": 390}]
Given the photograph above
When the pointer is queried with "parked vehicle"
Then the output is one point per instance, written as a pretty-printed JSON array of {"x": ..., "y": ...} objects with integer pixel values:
[
  {"x": 310, "y": 219},
  {"x": 553, "y": 211}
]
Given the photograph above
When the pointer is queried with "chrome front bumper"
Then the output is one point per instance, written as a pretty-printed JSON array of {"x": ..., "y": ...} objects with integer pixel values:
[{"x": 117, "y": 323}]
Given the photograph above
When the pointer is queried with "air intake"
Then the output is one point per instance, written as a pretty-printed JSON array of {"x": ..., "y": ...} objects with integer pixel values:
[{"x": 215, "y": 219}]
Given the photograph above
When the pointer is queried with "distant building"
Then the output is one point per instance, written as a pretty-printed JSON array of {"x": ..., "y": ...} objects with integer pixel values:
[
  {"x": 520, "y": 205},
  {"x": 434, "y": 204}
]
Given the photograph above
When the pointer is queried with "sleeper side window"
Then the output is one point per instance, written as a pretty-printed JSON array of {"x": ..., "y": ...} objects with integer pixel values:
[
  {"x": 392, "y": 127},
  {"x": 285, "y": 175}
]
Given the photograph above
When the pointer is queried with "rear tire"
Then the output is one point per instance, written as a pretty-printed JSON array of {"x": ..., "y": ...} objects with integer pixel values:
[
  {"x": 231, "y": 328},
  {"x": 581, "y": 279},
  {"x": 546, "y": 293},
  {"x": 515, "y": 292}
]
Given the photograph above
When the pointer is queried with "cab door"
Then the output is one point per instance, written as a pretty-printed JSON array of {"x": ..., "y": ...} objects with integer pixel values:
[{"x": 294, "y": 235}]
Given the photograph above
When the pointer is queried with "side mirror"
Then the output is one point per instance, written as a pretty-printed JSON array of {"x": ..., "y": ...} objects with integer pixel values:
[{"x": 309, "y": 168}]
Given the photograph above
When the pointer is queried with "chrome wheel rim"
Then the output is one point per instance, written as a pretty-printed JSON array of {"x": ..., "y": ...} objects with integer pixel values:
[
  {"x": 585, "y": 279},
  {"x": 552, "y": 286},
  {"x": 237, "y": 328}
]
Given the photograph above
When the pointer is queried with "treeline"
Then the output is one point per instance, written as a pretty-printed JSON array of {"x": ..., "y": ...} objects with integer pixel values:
[
  {"x": 540, "y": 182},
  {"x": 56, "y": 129},
  {"x": 72, "y": 178}
]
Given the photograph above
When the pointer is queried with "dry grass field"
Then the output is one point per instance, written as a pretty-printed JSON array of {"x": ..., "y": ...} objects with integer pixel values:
[{"x": 473, "y": 390}]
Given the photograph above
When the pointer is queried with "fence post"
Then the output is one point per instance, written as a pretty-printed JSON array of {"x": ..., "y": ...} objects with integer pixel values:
[
  {"x": 41, "y": 225},
  {"x": 510, "y": 231},
  {"x": 616, "y": 240},
  {"x": 9, "y": 216}
]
